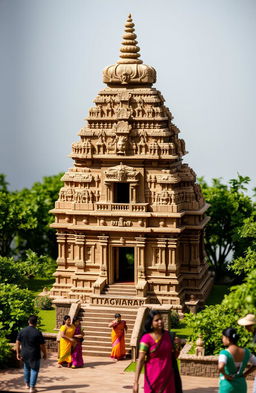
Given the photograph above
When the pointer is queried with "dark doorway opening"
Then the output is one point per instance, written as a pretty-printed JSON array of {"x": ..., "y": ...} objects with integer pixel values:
[
  {"x": 121, "y": 194},
  {"x": 124, "y": 264}
]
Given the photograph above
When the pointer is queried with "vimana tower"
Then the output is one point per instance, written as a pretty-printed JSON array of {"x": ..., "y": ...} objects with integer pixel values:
[{"x": 130, "y": 213}]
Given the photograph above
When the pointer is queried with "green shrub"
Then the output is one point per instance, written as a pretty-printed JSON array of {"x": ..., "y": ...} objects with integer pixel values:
[
  {"x": 44, "y": 303},
  {"x": 16, "y": 305},
  {"x": 214, "y": 319},
  {"x": 5, "y": 351},
  {"x": 11, "y": 272}
]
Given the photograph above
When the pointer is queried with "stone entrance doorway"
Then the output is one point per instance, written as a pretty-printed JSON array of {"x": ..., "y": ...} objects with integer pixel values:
[{"x": 124, "y": 264}]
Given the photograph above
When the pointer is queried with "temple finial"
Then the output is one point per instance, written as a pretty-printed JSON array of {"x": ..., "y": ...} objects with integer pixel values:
[{"x": 129, "y": 50}]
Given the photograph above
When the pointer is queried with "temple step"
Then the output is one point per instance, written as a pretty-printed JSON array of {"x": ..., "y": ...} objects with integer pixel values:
[{"x": 95, "y": 320}]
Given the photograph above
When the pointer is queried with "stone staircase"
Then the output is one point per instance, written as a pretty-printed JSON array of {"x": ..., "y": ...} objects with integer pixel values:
[
  {"x": 95, "y": 320},
  {"x": 120, "y": 289}
]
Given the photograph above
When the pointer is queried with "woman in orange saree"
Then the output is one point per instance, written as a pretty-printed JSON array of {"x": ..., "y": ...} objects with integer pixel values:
[{"x": 119, "y": 328}]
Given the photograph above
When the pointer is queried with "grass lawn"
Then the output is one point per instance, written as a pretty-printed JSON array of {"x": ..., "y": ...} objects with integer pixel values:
[
  {"x": 132, "y": 368},
  {"x": 48, "y": 318},
  {"x": 183, "y": 331}
]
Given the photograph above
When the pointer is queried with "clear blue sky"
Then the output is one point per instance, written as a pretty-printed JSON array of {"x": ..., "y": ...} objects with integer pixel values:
[{"x": 53, "y": 53}]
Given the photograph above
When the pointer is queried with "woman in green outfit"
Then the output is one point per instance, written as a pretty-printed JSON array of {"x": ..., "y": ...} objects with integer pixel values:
[{"x": 232, "y": 363}]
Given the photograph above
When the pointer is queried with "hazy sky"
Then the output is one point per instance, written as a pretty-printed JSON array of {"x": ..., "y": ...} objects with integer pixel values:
[{"x": 53, "y": 53}]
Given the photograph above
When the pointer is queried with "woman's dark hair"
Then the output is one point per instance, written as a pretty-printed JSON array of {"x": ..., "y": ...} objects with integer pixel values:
[
  {"x": 65, "y": 318},
  {"x": 117, "y": 315},
  {"x": 231, "y": 334},
  {"x": 76, "y": 319},
  {"x": 148, "y": 323}
]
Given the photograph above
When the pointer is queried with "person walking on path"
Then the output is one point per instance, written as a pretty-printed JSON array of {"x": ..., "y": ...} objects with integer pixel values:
[
  {"x": 119, "y": 328},
  {"x": 249, "y": 322},
  {"x": 29, "y": 344},
  {"x": 67, "y": 331},
  {"x": 232, "y": 363},
  {"x": 158, "y": 354}
]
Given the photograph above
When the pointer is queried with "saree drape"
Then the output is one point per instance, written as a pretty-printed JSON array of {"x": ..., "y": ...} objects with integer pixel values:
[
  {"x": 77, "y": 355},
  {"x": 65, "y": 344},
  {"x": 160, "y": 366},
  {"x": 118, "y": 341}
]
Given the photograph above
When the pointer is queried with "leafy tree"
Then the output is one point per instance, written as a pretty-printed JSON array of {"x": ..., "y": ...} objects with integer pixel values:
[
  {"x": 25, "y": 218},
  {"x": 5, "y": 350},
  {"x": 41, "y": 198},
  {"x": 12, "y": 272},
  {"x": 19, "y": 272},
  {"x": 213, "y": 319},
  {"x": 14, "y": 217},
  {"x": 16, "y": 305},
  {"x": 245, "y": 265},
  {"x": 3, "y": 183},
  {"x": 229, "y": 207}
]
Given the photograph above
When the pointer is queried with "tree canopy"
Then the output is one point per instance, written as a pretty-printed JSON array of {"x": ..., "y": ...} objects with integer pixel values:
[
  {"x": 230, "y": 206},
  {"x": 25, "y": 218}
]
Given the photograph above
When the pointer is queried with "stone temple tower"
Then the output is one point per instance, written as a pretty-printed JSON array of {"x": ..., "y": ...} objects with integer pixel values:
[{"x": 130, "y": 212}]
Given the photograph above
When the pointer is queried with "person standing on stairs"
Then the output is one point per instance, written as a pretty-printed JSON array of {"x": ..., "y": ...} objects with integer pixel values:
[{"x": 119, "y": 328}]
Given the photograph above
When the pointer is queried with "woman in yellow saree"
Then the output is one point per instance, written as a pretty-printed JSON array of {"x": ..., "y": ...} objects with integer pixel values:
[
  {"x": 119, "y": 328},
  {"x": 67, "y": 331}
]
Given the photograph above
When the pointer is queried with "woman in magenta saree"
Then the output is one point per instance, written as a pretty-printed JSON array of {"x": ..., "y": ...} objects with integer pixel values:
[
  {"x": 158, "y": 355},
  {"x": 77, "y": 355}
]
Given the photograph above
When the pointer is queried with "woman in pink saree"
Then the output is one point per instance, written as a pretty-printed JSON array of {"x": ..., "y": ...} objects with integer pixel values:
[
  {"x": 77, "y": 355},
  {"x": 158, "y": 355}
]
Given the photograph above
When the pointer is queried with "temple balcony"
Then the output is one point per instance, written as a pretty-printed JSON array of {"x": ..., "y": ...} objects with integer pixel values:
[{"x": 131, "y": 207}]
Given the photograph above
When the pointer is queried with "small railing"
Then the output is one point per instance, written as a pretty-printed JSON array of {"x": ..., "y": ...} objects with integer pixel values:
[{"x": 136, "y": 207}]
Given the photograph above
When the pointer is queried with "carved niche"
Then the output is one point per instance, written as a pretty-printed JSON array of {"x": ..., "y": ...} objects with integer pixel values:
[{"x": 121, "y": 173}]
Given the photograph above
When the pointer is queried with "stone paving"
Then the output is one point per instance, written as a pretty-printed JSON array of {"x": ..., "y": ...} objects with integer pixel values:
[{"x": 100, "y": 375}]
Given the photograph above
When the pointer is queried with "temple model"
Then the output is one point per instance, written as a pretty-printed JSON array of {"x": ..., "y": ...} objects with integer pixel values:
[{"x": 130, "y": 215}]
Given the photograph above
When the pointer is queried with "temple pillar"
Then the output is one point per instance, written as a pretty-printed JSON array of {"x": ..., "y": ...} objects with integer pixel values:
[
  {"x": 79, "y": 251},
  {"x": 101, "y": 281},
  {"x": 62, "y": 257},
  {"x": 103, "y": 242},
  {"x": 133, "y": 192},
  {"x": 172, "y": 263},
  {"x": 141, "y": 285},
  {"x": 162, "y": 246}
]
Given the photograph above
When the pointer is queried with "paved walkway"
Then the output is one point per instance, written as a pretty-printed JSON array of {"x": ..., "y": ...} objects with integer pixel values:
[{"x": 100, "y": 375}]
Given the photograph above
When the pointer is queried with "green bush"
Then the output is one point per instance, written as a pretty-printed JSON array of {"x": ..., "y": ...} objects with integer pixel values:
[
  {"x": 44, "y": 303},
  {"x": 11, "y": 272},
  {"x": 16, "y": 305},
  {"x": 214, "y": 319},
  {"x": 5, "y": 351}
]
